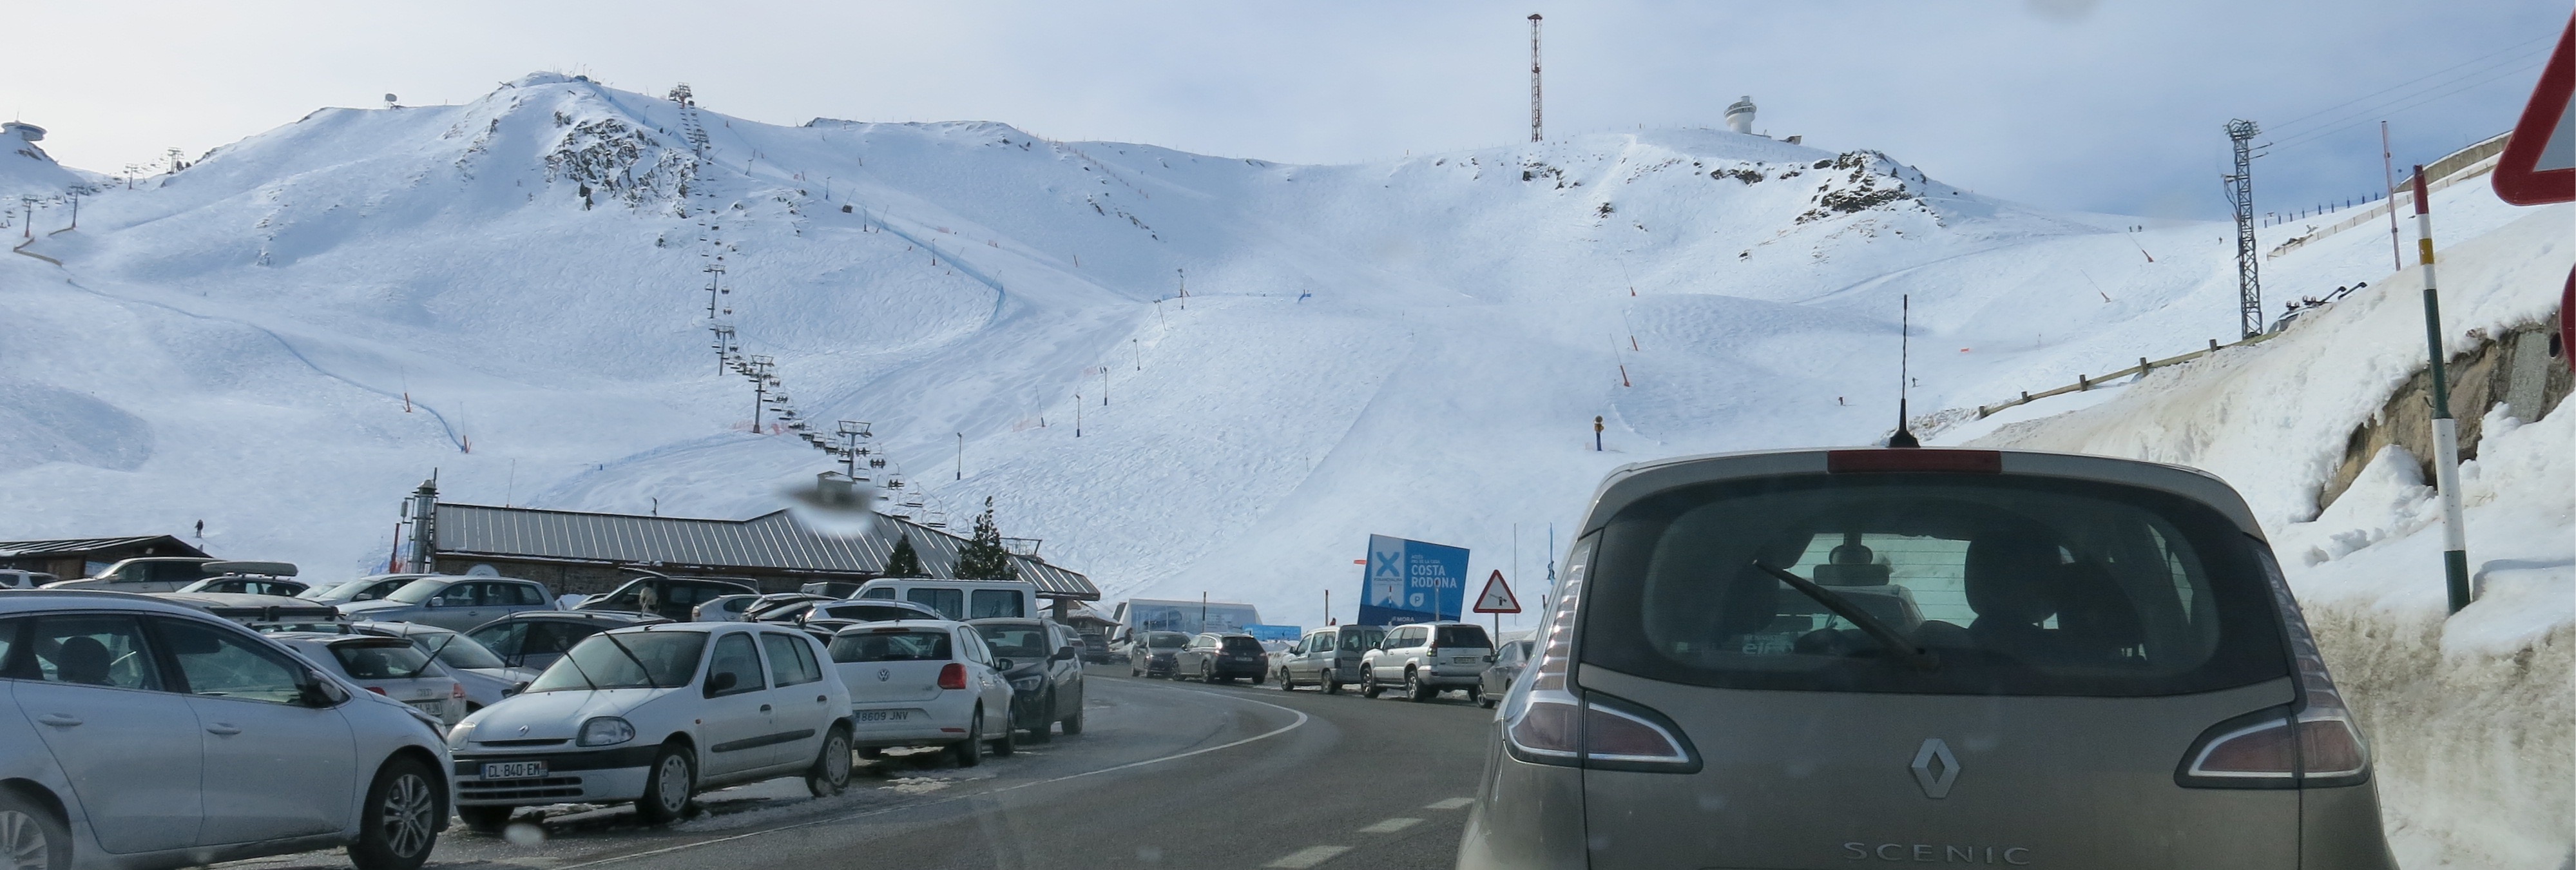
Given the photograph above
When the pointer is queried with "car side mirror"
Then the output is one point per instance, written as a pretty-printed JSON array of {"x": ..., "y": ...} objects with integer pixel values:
[
  {"x": 515, "y": 688},
  {"x": 721, "y": 683},
  {"x": 1064, "y": 653},
  {"x": 434, "y": 602},
  {"x": 1002, "y": 664},
  {"x": 319, "y": 691}
]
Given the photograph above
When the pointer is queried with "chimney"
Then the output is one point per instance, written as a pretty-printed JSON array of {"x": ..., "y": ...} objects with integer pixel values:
[{"x": 424, "y": 525}]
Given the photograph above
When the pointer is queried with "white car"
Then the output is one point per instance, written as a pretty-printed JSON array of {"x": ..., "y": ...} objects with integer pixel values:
[
  {"x": 485, "y": 677},
  {"x": 1426, "y": 657},
  {"x": 655, "y": 714},
  {"x": 924, "y": 682},
  {"x": 388, "y": 666},
  {"x": 136, "y": 732}
]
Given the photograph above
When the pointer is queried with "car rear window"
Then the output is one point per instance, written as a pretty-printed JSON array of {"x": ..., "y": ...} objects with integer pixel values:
[
  {"x": 1469, "y": 636},
  {"x": 893, "y": 646},
  {"x": 389, "y": 660},
  {"x": 1240, "y": 645},
  {"x": 1016, "y": 641},
  {"x": 2017, "y": 586},
  {"x": 1167, "y": 640}
]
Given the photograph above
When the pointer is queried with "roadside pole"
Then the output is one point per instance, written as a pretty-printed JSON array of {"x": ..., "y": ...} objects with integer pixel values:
[{"x": 2446, "y": 430}]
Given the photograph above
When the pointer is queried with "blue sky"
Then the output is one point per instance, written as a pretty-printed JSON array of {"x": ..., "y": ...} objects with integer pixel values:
[{"x": 2106, "y": 105}]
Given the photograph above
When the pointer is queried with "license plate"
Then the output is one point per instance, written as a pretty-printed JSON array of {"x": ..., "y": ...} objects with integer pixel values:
[
  {"x": 1466, "y": 660},
  {"x": 514, "y": 770},
  {"x": 880, "y": 715}
]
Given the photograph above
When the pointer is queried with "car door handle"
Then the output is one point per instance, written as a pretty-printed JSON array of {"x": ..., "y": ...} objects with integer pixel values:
[
  {"x": 59, "y": 720},
  {"x": 764, "y": 708},
  {"x": 819, "y": 699},
  {"x": 223, "y": 729}
]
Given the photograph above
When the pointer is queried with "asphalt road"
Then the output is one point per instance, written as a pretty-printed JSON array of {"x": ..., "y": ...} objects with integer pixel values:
[{"x": 1167, "y": 774}]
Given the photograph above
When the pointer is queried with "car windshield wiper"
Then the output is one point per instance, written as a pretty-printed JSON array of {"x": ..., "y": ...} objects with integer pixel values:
[
  {"x": 630, "y": 656},
  {"x": 1895, "y": 641},
  {"x": 432, "y": 659}
]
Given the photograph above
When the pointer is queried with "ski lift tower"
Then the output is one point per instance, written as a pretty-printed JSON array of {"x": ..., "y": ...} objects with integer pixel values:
[
  {"x": 2240, "y": 196},
  {"x": 1534, "y": 101}
]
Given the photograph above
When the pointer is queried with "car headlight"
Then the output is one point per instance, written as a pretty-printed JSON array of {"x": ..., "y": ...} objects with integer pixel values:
[
  {"x": 1027, "y": 684},
  {"x": 606, "y": 731},
  {"x": 456, "y": 736}
]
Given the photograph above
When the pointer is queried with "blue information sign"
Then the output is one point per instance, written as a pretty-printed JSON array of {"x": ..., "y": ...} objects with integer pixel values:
[
  {"x": 1412, "y": 581},
  {"x": 1274, "y": 632}
]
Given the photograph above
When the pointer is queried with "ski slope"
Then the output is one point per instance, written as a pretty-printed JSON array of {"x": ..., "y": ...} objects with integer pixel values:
[{"x": 285, "y": 337}]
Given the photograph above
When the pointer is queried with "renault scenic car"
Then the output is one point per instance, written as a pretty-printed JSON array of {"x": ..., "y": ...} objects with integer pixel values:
[{"x": 1875, "y": 658}]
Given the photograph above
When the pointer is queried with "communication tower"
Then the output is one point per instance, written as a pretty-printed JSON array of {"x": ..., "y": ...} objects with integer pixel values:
[
  {"x": 2240, "y": 196},
  {"x": 1534, "y": 101}
]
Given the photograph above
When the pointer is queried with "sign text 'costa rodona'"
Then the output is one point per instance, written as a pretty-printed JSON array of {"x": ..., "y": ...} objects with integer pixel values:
[{"x": 1412, "y": 581}]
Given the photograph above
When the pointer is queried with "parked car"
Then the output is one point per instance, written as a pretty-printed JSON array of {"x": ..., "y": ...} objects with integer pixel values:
[
  {"x": 1037, "y": 657},
  {"x": 536, "y": 638},
  {"x": 486, "y": 677},
  {"x": 832, "y": 588},
  {"x": 958, "y": 599},
  {"x": 674, "y": 598},
  {"x": 388, "y": 666},
  {"x": 137, "y": 732},
  {"x": 2107, "y": 656},
  {"x": 368, "y": 588},
  {"x": 764, "y": 605},
  {"x": 1426, "y": 658},
  {"x": 454, "y": 602},
  {"x": 1150, "y": 653},
  {"x": 256, "y": 610},
  {"x": 850, "y": 610},
  {"x": 1498, "y": 677},
  {"x": 1220, "y": 658},
  {"x": 655, "y": 714},
  {"x": 723, "y": 608},
  {"x": 1095, "y": 647},
  {"x": 12, "y": 578},
  {"x": 165, "y": 573},
  {"x": 1328, "y": 657},
  {"x": 249, "y": 585},
  {"x": 924, "y": 682}
]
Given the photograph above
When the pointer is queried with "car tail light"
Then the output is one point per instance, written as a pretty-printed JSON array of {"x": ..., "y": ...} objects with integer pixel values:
[
  {"x": 456, "y": 690},
  {"x": 1918, "y": 459},
  {"x": 378, "y": 690},
  {"x": 1553, "y": 724},
  {"x": 2309, "y": 742},
  {"x": 952, "y": 676}
]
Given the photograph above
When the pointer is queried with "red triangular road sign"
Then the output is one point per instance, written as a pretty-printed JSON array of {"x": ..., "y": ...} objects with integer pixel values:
[
  {"x": 2539, "y": 162},
  {"x": 1497, "y": 597}
]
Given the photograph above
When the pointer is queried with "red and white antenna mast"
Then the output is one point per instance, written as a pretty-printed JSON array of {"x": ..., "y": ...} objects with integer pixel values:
[{"x": 1534, "y": 102}]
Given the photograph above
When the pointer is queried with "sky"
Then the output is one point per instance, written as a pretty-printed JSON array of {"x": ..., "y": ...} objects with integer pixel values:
[{"x": 2097, "y": 105}]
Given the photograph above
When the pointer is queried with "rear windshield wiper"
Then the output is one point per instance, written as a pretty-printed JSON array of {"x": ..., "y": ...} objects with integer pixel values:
[
  {"x": 432, "y": 659},
  {"x": 1896, "y": 642}
]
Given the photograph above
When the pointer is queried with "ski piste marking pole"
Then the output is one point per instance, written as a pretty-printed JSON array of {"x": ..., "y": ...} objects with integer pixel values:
[{"x": 2446, "y": 430}]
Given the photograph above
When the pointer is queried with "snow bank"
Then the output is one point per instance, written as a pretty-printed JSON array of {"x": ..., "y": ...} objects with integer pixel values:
[{"x": 2471, "y": 715}]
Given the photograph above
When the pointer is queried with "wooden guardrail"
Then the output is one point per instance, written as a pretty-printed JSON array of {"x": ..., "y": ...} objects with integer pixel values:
[{"x": 2145, "y": 365}]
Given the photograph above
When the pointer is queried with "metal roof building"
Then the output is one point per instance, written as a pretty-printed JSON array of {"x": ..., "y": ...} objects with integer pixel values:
[
  {"x": 77, "y": 557},
  {"x": 773, "y": 550}
]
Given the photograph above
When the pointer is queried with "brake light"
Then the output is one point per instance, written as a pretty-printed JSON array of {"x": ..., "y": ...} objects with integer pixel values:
[
  {"x": 377, "y": 690},
  {"x": 456, "y": 690},
  {"x": 952, "y": 676},
  {"x": 1968, "y": 461},
  {"x": 1600, "y": 733},
  {"x": 2309, "y": 742}
]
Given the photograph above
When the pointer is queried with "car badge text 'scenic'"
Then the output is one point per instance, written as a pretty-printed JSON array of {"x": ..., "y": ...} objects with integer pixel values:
[{"x": 1935, "y": 768}]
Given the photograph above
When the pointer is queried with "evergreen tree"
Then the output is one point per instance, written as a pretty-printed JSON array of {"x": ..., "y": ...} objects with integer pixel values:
[
  {"x": 983, "y": 557},
  {"x": 903, "y": 562}
]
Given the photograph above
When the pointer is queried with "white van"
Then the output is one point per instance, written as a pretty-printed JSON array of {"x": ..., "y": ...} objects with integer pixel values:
[{"x": 959, "y": 599}]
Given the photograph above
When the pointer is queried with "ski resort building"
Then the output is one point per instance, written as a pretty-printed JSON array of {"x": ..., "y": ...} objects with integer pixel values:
[
  {"x": 581, "y": 552},
  {"x": 80, "y": 557}
]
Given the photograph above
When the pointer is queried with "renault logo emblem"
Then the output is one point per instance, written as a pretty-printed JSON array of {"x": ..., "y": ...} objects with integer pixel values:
[
  {"x": 884, "y": 674},
  {"x": 523, "y": 731},
  {"x": 1935, "y": 768}
]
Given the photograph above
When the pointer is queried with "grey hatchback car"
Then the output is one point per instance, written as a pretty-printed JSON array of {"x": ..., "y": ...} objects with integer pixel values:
[{"x": 1860, "y": 658}]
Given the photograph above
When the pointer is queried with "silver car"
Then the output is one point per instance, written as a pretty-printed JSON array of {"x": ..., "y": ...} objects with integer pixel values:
[
  {"x": 367, "y": 588},
  {"x": 138, "y": 733},
  {"x": 458, "y": 603},
  {"x": 1864, "y": 658},
  {"x": 388, "y": 666}
]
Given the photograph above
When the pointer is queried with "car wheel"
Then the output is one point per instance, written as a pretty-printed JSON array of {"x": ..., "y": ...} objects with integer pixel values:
[
  {"x": 667, "y": 788},
  {"x": 30, "y": 837},
  {"x": 1368, "y": 683},
  {"x": 1487, "y": 703},
  {"x": 485, "y": 820},
  {"x": 1043, "y": 729},
  {"x": 1258, "y": 676},
  {"x": 1476, "y": 693},
  {"x": 404, "y": 811},
  {"x": 831, "y": 771},
  {"x": 1332, "y": 683},
  {"x": 1008, "y": 743},
  {"x": 1286, "y": 683},
  {"x": 1415, "y": 689},
  {"x": 1073, "y": 723},
  {"x": 970, "y": 751}
]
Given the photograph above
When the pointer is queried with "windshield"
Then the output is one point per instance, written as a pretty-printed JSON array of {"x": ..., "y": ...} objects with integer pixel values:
[
  {"x": 379, "y": 661},
  {"x": 456, "y": 650},
  {"x": 2017, "y": 587},
  {"x": 415, "y": 593},
  {"x": 659, "y": 659},
  {"x": 902, "y": 645},
  {"x": 1015, "y": 641}
]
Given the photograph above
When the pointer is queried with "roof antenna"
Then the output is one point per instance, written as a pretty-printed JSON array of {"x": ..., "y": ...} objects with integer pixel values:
[{"x": 1904, "y": 348}]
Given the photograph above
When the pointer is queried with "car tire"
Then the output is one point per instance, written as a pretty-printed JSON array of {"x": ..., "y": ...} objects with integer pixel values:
[
  {"x": 1286, "y": 682},
  {"x": 1476, "y": 693},
  {"x": 1368, "y": 682},
  {"x": 405, "y": 809},
  {"x": 1416, "y": 689},
  {"x": 485, "y": 820},
  {"x": 970, "y": 751},
  {"x": 831, "y": 771},
  {"x": 1043, "y": 730},
  {"x": 30, "y": 833},
  {"x": 1008, "y": 743},
  {"x": 1332, "y": 684},
  {"x": 672, "y": 780},
  {"x": 1258, "y": 676},
  {"x": 1073, "y": 723},
  {"x": 1487, "y": 703}
]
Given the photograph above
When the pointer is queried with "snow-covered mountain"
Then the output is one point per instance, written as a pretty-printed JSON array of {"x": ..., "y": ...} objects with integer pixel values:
[{"x": 1415, "y": 347}]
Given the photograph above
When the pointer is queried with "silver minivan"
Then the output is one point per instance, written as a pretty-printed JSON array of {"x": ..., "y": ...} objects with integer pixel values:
[
  {"x": 1865, "y": 658},
  {"x": 1328, "y": 657}
]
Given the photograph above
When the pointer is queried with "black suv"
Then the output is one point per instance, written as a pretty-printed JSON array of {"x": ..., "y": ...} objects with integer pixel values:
[
  {"x": 1046, "y": 680},
  {"x": 1220, "y": 658}
]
